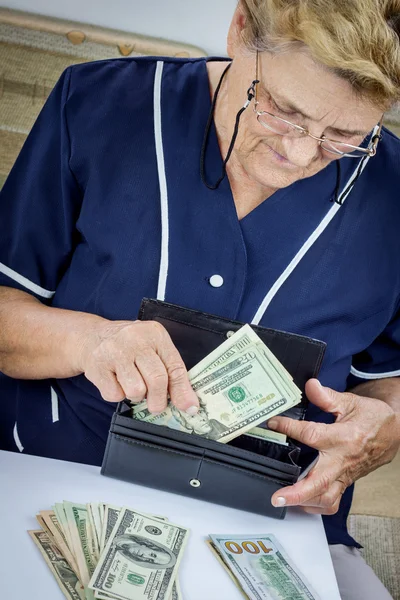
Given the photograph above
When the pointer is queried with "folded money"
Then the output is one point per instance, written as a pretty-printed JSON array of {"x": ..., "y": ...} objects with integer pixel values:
[
  {"x": 239, "y": 385},
  {"x": 268, "y": 435},
  {"x": 260, "y": 567},
  {"x": 110, "y": 552}
]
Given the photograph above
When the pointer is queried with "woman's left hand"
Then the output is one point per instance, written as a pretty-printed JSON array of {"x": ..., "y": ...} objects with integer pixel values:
[{"x": 365, "y": 436}]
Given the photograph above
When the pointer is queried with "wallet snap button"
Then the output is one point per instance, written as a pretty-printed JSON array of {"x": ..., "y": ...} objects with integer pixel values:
[
  {"x": 230, "y": 334},
  {"x": 216, "y": 281},
  {"x": 195, "y": 483}
]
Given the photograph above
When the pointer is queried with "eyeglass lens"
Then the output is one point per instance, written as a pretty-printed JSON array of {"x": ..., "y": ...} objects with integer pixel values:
[{"x": 280, "y": 127}]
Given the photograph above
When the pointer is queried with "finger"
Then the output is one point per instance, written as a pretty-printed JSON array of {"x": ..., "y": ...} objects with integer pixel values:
[
  {"x": 180, "y": 389},
  {"x": 155, "y": 378},
  {"x": 328, "y": 498},
  {"x": 322, "y": 510},
  {"x": 321, "y": 396},
  {"x": 107, "y": 384},
  {"x": 316, "y": 435},
  {"x": 315, "y": 484},
  {"x": 131, "y": 381},
  {"x": 327, "y": 399}
]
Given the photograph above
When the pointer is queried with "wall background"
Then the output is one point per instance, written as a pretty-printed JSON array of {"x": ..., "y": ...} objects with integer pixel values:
[{"x": 203, "y": 23}]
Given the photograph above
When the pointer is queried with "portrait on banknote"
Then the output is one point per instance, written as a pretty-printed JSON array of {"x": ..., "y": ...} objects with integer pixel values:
[
  {"x": 199, "y": 423},
  {"x": 143, "y": 551}
]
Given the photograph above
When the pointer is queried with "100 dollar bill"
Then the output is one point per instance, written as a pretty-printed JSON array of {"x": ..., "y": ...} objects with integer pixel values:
[
  {"x": 141, "y": 558},
  {"x": 262, "y": 567},
  {"x": 111, "y": 515}
]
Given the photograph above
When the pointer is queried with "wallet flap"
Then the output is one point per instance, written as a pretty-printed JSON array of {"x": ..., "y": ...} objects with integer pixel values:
[{"x": 196, "y": 334}]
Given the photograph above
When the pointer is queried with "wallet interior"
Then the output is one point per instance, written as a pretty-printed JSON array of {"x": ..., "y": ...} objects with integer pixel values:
[
  {"x": 286, "y": 454},
  {"x": 263, "y": 448}
]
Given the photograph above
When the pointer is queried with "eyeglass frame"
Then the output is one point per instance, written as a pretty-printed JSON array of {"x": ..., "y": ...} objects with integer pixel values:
[{"x": 369, "y": 151}]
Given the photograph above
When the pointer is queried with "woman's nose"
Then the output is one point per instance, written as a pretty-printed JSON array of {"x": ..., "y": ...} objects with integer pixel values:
[{"x": 301, "y": 151}]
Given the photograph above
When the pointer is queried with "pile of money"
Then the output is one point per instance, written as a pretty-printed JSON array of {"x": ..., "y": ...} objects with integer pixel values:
[
  {"x": 260, "y": 567},
  {"x": 97, "y": 550},
  {"x": 111, "y": 552},
  {"x": 239, "y": 385}
]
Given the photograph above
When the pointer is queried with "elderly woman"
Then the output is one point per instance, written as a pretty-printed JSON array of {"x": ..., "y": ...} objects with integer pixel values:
[{"x": 261, "y": 188}]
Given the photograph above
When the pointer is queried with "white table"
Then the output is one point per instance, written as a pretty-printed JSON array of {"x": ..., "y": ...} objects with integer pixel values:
[{"x": 30, "y": 484}]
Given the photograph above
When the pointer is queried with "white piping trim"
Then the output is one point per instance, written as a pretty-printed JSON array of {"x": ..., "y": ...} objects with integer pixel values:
[
  {"x": 16, "y": 438},
  {"x": 293, "y": 264},
  {"x": 307, "y": 245},
  {"x": 54, "y": 406},
  {"x": 363, "y": 375},
  {"x": 163, "y": 274},
  {"x": 25, "y": 282}
]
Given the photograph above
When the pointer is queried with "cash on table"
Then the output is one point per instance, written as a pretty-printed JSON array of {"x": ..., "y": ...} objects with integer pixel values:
[{"x": 110, "y": 552}]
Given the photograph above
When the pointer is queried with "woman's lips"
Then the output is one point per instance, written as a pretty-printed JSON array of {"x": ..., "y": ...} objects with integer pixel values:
[{"x": 280, "y": 158}]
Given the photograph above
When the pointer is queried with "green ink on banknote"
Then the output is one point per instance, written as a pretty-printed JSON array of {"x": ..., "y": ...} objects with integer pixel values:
[{"x": 237, "y": 394}]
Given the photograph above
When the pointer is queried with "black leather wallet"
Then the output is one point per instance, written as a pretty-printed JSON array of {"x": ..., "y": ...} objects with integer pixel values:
[{"x": 243, "y": 473}]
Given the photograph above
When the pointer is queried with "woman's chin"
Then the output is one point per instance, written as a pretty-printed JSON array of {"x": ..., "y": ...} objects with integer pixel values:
[{"x": 269, "y": 176}]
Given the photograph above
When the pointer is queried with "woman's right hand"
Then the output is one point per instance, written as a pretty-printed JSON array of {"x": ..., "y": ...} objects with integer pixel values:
[{"x": 136, "y": 360}]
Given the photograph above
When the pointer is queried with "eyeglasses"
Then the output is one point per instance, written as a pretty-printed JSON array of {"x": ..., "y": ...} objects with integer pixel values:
[{"x": 282, "y": 127}]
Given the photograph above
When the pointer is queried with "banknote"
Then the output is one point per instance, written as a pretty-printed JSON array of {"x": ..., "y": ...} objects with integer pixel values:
[
  {"x": 268, "y": 435},
  {"x": 43, "y": 525},
  {"x": 233, "y": 399},
  {"x": 53, "y": 525},
  {"x": 59, "y": 511},
  {"x": 95, "y": 509},
  {"x": 78, "y": 524},
  {"x": 142, "y": 554},
  {"x": 102, "y": 508},
  {"x": 111, "y": 515},
  {"x": 245, "y": 339},
  {"x": 262, "y": 567},
  {"x": 65, "y": 576},
  {"x": 225, "y": 567},
  {"x": 239, "y": 386},
  {"x": 93, "y": 532},
  {"x": 176, "y": 593},
  {"x": 237, "y": 343}
]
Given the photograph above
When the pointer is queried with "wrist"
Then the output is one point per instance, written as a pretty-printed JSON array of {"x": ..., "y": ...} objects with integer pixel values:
[{"x": 82, "y": 339}]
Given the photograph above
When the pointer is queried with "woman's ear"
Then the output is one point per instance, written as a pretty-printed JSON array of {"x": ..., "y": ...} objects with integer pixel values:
[{"x": 237, "y": 25}]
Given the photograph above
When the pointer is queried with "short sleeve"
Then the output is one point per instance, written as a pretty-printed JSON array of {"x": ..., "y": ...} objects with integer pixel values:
[
  {"x": 40, "y": 203},
  {"x": 381, "y": 359}
]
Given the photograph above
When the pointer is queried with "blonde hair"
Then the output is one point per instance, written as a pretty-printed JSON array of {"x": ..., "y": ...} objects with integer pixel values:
[{"x": 358, "y": 40}]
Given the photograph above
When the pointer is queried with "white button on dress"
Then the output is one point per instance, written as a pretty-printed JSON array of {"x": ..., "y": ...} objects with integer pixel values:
[{"x": 216, "y": 281}]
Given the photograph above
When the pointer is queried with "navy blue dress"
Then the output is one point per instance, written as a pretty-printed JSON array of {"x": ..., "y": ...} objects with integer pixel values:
[{"x": 105, "y": 206}]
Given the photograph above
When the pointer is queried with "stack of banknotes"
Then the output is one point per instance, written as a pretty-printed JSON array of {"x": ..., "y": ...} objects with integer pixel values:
[
  {"x": 240, "y": 385},
  {"x": 111, "y": 552},
  {"x": 260, "y": 567},
  {"x": 102, "y": 551}
]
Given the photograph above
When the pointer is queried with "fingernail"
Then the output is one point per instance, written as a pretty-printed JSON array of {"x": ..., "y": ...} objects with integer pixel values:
[
  {"x": 156, "y": 413},
  {"x": 272, "y": 423},
  {"x": 280, "y": 501},
  {"x": 192, "y": 410}
]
